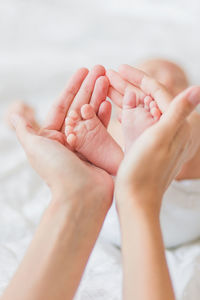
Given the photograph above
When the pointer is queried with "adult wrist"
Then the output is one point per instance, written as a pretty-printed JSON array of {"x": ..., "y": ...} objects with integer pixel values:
[
  {"x": 80, "y": 202},
  {"x": 139, "y": 204}
]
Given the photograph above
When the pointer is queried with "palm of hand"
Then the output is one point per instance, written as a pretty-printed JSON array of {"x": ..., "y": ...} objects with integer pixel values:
[{"x": 59, "y": 166}]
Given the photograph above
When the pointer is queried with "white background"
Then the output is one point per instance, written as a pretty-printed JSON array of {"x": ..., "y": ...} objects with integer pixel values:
[{"x": 41, "y": 43}]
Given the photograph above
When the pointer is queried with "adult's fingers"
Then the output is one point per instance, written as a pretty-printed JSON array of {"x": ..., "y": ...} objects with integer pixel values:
[
  {"x": 180, "y": 137},
  {"x": 53, "y": 135},
  {"x": 115, "y": 96},
  {"x": 85, "y": 92},
  {"x": 147, "y": 84},
  {"x": 24, "y": 130},
  {"x": 59, "y": 109},
  {"x": 120, "y": 84},
  {"x": 182, "y": 106},
  {"x": 100, "y": 92},
  {"x": 104, "y": 113}
]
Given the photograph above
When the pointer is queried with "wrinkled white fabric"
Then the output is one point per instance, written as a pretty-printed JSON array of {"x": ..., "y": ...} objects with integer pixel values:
[
  {"x": 42, "y": 43},
  {"x": 180, "y": 215}
]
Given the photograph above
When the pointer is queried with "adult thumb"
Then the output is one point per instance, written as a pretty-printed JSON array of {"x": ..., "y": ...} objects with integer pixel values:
[
  {"x": 24, "y": 130},
  {"x": 182, "y": 106}
]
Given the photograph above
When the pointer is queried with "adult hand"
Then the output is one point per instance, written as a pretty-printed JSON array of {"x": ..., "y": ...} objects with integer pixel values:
[
  {"x": 150, "y": 165},
  {"x": 47, "y": 150},
  {"x": 138, "y": 81},
  {"x": 84, "y": 87},
  {"x": 82, "y": 195},
  {"x": 144, "y": 85},
  {"x": 158, "y": 154}
]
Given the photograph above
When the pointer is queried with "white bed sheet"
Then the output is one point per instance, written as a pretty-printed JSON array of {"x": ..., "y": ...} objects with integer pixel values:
[{"x": 42, "y": 42}]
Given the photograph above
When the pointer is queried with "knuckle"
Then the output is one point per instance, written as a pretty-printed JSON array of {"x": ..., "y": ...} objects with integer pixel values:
[
  {"x": 59, "y": 107},
  {"x": 87, "y": 89},
  {"x": 71, "y": 90}
]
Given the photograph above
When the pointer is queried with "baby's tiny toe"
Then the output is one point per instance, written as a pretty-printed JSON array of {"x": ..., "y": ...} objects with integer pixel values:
[
  {"x": 68, "y": 130},
  {"x": 129, "y": 99},
  {"x": 155, "y": 113},
  {"x": 147, "y": 101},
  {"x": 71, "y": 140},
  {"x": 152, "y": 104},
  {"x": 69, "y": 122},
  {"x": 73, "y": 115},
  {"x": 87, "y": 112}
]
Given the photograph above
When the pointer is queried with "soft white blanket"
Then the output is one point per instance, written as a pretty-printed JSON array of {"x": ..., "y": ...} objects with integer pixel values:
[{"x": 42, "y": 43}]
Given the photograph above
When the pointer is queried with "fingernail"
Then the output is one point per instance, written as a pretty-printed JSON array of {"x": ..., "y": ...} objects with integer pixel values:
[
  {"x": 14, "y": 119},
  {"x": 194, "y": 96}
]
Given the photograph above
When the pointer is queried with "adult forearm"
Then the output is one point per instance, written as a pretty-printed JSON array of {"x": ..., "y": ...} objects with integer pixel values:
[
  {"x": 146, "y": 273},
  {"x": 55, "y": 261}
]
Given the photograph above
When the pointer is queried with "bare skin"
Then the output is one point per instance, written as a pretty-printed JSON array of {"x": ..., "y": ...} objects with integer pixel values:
[
  {"x": 81, "y": 197},
  {"x": 124, "y": 79},
  {"x": 137, "y": 117},
  {"x": 168, "y": 73},
  {"x": 89, "y": 137},
  {"x": 145, "y": 173},
  {"x": 22, "y": 109},
  {"x": 171, "y": 75},
  {"x": 142, "y": 180},
  {"x": 85, "y": 131},
  {"x": 87, "y": 117},
  {"x": 175, "y": 79}
]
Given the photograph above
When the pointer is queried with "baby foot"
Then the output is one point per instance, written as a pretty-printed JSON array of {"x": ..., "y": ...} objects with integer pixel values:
[
  {"x": 137, "y": 117},
  {"x": 86, "y": 134}
]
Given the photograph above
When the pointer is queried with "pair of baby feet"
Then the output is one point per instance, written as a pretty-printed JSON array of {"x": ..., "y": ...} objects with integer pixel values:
[{"x": 86, "y": 134}]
